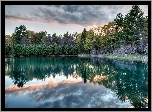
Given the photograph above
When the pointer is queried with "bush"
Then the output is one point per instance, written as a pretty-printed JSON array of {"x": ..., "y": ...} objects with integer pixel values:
[
  {"x": 18, "y": 50},
  {"x": 74, "y": 50},
  {"x": 58, "y": 50},
  {"x": 42, "y": 50},
  {"x": 66, "y": 49},
  {"x": 27, "y": 51},
  {"x": 35, "y": 50},
  {"x": 7, "y": 50},
  {"x": 50, "y": 50}
]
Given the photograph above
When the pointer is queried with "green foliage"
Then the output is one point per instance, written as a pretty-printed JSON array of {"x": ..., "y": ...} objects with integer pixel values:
[
  {"x": 89, "y": 43},
  {"x": 57, "y": 50},
  {"x": 20, "y": 35},
  {"x": 43, "y": 50},
  {"x": 97, "y": 43},
  {"x": 34, "y": 50},
  {"x": 7, "y": 50},
  {"x": 65, "y": 49},
  {"x": 132, "y": 24},
  {"x": 27, "y": 51},
  {"x": 74, "y": 50},
  {"x": 8, "y": 40},
  {"x": 83, "y": 39},
  {"x": 50, "y": 50},
  {"x": 37, "y": 38},
  {"x": 122, "y": 31},
  {"x": 18, "y": 50},
  {"x": 119, "y": 20}
]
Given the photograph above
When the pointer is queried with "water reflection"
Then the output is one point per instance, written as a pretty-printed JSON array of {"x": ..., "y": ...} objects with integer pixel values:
[
  {"x": 72, "y": 95},
  {"x": 126, "y": 80}
]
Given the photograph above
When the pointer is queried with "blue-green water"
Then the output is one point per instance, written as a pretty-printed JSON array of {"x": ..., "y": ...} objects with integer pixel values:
[{"x": 72, "y": 82}]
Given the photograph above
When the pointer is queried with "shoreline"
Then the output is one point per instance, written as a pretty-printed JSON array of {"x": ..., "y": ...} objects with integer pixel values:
[
  {"x": 39, "y": 56},
  {"x": 128, "y": 57}
]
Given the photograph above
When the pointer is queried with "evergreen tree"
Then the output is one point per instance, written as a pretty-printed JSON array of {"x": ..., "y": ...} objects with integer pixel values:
[
  {"x": 20, "y": 35},
  {"x": 83, "y": 39}
]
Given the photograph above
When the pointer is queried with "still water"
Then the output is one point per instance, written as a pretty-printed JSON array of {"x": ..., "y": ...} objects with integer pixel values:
[{"x": 73, "y": 82}]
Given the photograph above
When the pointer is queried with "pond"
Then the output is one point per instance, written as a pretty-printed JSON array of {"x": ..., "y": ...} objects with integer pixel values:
[{"x": 74, "y": 82}]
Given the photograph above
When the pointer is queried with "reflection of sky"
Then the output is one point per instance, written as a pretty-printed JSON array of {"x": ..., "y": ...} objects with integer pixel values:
[
  {"x": 8, "y": 81},
  {"x": 63, "y": 93}
]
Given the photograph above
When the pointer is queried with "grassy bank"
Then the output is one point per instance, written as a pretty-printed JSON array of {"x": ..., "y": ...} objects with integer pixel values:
[{"x": 129, "y": 57}]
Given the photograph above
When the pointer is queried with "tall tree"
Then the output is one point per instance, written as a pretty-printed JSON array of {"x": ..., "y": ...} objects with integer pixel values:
[
  {"x": 30, "y": 37},
  {"x": 43, "y": 36},
  {"x": 8, "y": 40},
  {"x": 20, "y": 35},
  {"x": 55, "y": 39},
  {"x": 83, "y": 39}
]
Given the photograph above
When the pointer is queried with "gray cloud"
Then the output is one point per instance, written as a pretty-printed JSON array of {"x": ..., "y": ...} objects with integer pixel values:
[
  {"x": 84, "y": 15},
  {"x": 17, "y": 18},
  {"x": 83, "y": 96},
  {"x": 21, "y": 17},
  {"x": 74, "y": 14},
  {"x": 71, "y": 8},
  {"x": 78, "y": 15}
]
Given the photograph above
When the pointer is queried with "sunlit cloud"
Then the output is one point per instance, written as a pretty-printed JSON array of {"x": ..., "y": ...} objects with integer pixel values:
[
  {"x": 34, "y": 87},
  {"x": 22, "y": 17},
  {"x": 77, "y": 16}
]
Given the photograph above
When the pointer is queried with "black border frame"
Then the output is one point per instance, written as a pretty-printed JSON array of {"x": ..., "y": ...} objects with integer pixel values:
[{"x": 3, "y": 3}]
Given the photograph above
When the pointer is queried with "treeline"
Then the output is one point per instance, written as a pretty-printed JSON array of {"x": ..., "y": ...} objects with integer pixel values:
[
  {"x": 24, "y": 42},
  {"x": 44, "y": 50},
  {"x": 130, "y": 30}
]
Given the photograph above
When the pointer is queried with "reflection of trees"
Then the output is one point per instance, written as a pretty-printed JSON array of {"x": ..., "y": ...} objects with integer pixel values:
[
  {"x": 38, "y": 68},
  {"x": 127, "y": 79},
  {"x": 81, "y": 70},
  {"x": 128, "y": 82},
  {"x": 133, "y": 84},
  {"x": 19, "y": 78}
]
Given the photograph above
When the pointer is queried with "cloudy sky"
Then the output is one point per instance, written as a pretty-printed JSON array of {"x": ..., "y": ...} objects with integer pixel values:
[
  {"x": 66, "y": 93},
  {"x": 62, "y": 18}
]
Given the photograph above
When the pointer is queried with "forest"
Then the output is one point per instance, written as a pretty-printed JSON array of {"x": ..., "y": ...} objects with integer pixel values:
[{"x": 123, "y": 35}]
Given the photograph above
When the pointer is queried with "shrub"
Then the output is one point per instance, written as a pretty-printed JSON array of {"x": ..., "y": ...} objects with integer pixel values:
[
  {"x": 50, "y": 49},
  {"x": 27, "y": 51},
  {"x": 42, "y": 50},
  {"x": 18, "y": 50},
  {"x": 66, "y": 49},
  {"x": 57, "y": 50},
  {"x": 74, "y": 50},
  {"x": 7, "y": 50}
]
